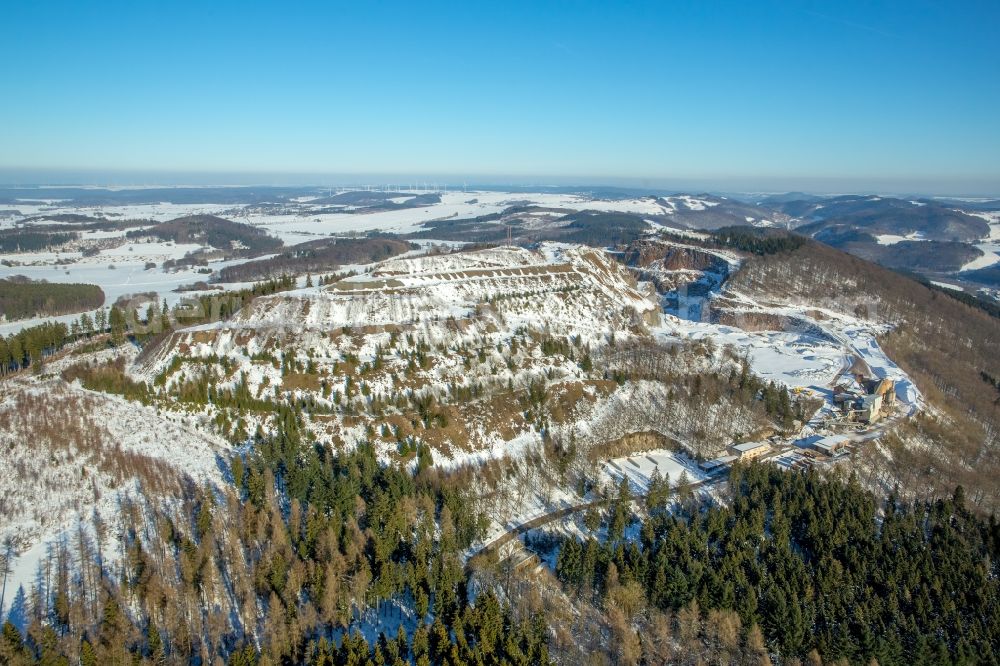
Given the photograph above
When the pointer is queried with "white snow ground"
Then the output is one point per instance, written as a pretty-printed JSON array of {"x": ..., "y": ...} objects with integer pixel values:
[
  {"x": 990, "y": 257},
  {"x": 43, "y": 496},
  {"x": 130, "y": 276},
  {"x": 892, "y": 239},
  {"x": 451, "y": 284},
  {"x": 639, "y": 469}
]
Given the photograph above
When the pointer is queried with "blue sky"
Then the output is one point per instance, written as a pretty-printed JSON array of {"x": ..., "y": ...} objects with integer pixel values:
[{"x": 778, "y": 94}]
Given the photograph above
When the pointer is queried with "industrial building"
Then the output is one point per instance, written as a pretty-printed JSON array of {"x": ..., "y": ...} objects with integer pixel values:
[
  {"x": 831, "y": 444},
  {"x": 867, "y": 401},
  {"x": 717, "y": 464},
  {"x": 749, "y": 450}
]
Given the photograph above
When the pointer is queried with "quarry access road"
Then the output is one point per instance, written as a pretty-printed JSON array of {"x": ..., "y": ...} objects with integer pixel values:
[{"x": 546, "y": 518}]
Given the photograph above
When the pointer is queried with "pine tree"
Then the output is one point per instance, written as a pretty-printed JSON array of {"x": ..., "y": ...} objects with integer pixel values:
[
  {"x": 12, "y": 648},
  {"x": 117, "y": 324},
  {"x": 658, "y": 494},
  {"x": 421, "y": 642},
  {"x": 87, "y": 324},
  {"x": 154, "y": 641},
  {"x": 88, "y": 657}
]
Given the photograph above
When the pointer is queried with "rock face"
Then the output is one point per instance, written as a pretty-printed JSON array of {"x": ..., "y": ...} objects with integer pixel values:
[
  {"x": 669, "y": 265},
  {"x": 660, "y": 255}
]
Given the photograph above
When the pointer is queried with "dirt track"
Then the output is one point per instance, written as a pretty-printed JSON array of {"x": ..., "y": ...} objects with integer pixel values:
[{"x": 547, "y": 518}]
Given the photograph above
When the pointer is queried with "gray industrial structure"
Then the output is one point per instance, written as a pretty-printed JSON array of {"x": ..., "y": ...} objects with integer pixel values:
[{"x": 867, "y": 401}]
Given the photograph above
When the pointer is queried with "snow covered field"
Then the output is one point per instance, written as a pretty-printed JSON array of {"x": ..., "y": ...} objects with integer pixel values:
[
  {"x": 990, "y": 256},
  {"x": 639, "y": 469},
  {"x": 129, "y": 274},
  {"x": 119, "y": 272},
  {"x": 892, "y": 239},
  {"x": 159, "y": 212},
  {"x": 792, "y": 359},
  {"x": 305, "y": 226}
]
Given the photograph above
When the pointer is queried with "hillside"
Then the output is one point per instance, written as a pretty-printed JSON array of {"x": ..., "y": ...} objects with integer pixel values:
[
  {"x": 471, "y": 355},
  {"x": 67, "y": 454},
  {"x": 320, "y": 256},
  {"x": 602, "y": 223},
  {"x": 430, "y": 408},
  {"x": 233, "y": 238},
  {"x": 706, "y": 211},
  {"x": 947, "y": 347},
  {"x": 929, "y": 257},
  {"x": 887, "y": 215},
  {"x": 988, "y": 276},
  {"x": 935, "y": 238}
]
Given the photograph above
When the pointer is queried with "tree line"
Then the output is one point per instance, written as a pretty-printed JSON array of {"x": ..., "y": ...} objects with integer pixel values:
[
  {"x": 280, "y": 569},
  {"x": 32, "y": 344},
  {"x": 758, "y": 241},
  {"x": 24, "y": 299},
  {"x": 20, "y": 240},
  {"x": 315, "y": 257},
  {"x": 817, "y": 566},
  {"x": 222, "y": 234}
]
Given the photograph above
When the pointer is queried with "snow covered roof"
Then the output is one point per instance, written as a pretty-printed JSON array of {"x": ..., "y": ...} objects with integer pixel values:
[
  {"x": 749, "y": 446},
  {"x": 830, "y": 443},
  {"x": 715, "y": 463}
]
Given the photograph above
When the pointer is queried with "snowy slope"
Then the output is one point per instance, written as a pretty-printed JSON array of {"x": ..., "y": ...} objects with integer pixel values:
[{"x": 68, "y": 454}]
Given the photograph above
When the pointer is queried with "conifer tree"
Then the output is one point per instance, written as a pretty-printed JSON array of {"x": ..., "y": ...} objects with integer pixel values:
[{"x": 117, "y": 324}]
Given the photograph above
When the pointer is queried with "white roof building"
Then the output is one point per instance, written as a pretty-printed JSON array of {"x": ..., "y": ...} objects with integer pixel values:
[{"x": 830, "y": 444}]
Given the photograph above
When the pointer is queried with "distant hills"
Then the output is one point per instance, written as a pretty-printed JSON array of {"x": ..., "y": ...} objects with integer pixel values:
[
  {"x": 878, "y": 215},
  {"x": 234, "y": 238},
  {"x": 934, "y": 236},
  {"x": 706, "y": 211}
]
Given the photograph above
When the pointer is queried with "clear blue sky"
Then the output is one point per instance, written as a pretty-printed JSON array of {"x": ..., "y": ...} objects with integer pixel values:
[{"x": 717, "y": 92}]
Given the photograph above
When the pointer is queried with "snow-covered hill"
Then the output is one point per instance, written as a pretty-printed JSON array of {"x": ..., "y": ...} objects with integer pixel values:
[
  {"x": 449, "y": 359},
  {"x": 71, "y": 459}
]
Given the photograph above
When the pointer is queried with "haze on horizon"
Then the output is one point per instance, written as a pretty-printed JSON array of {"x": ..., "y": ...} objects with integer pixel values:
[{"x": 895, "y": 97}]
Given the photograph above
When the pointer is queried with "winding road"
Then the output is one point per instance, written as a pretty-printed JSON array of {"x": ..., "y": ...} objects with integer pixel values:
[{"x": 545, "y": 519}]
